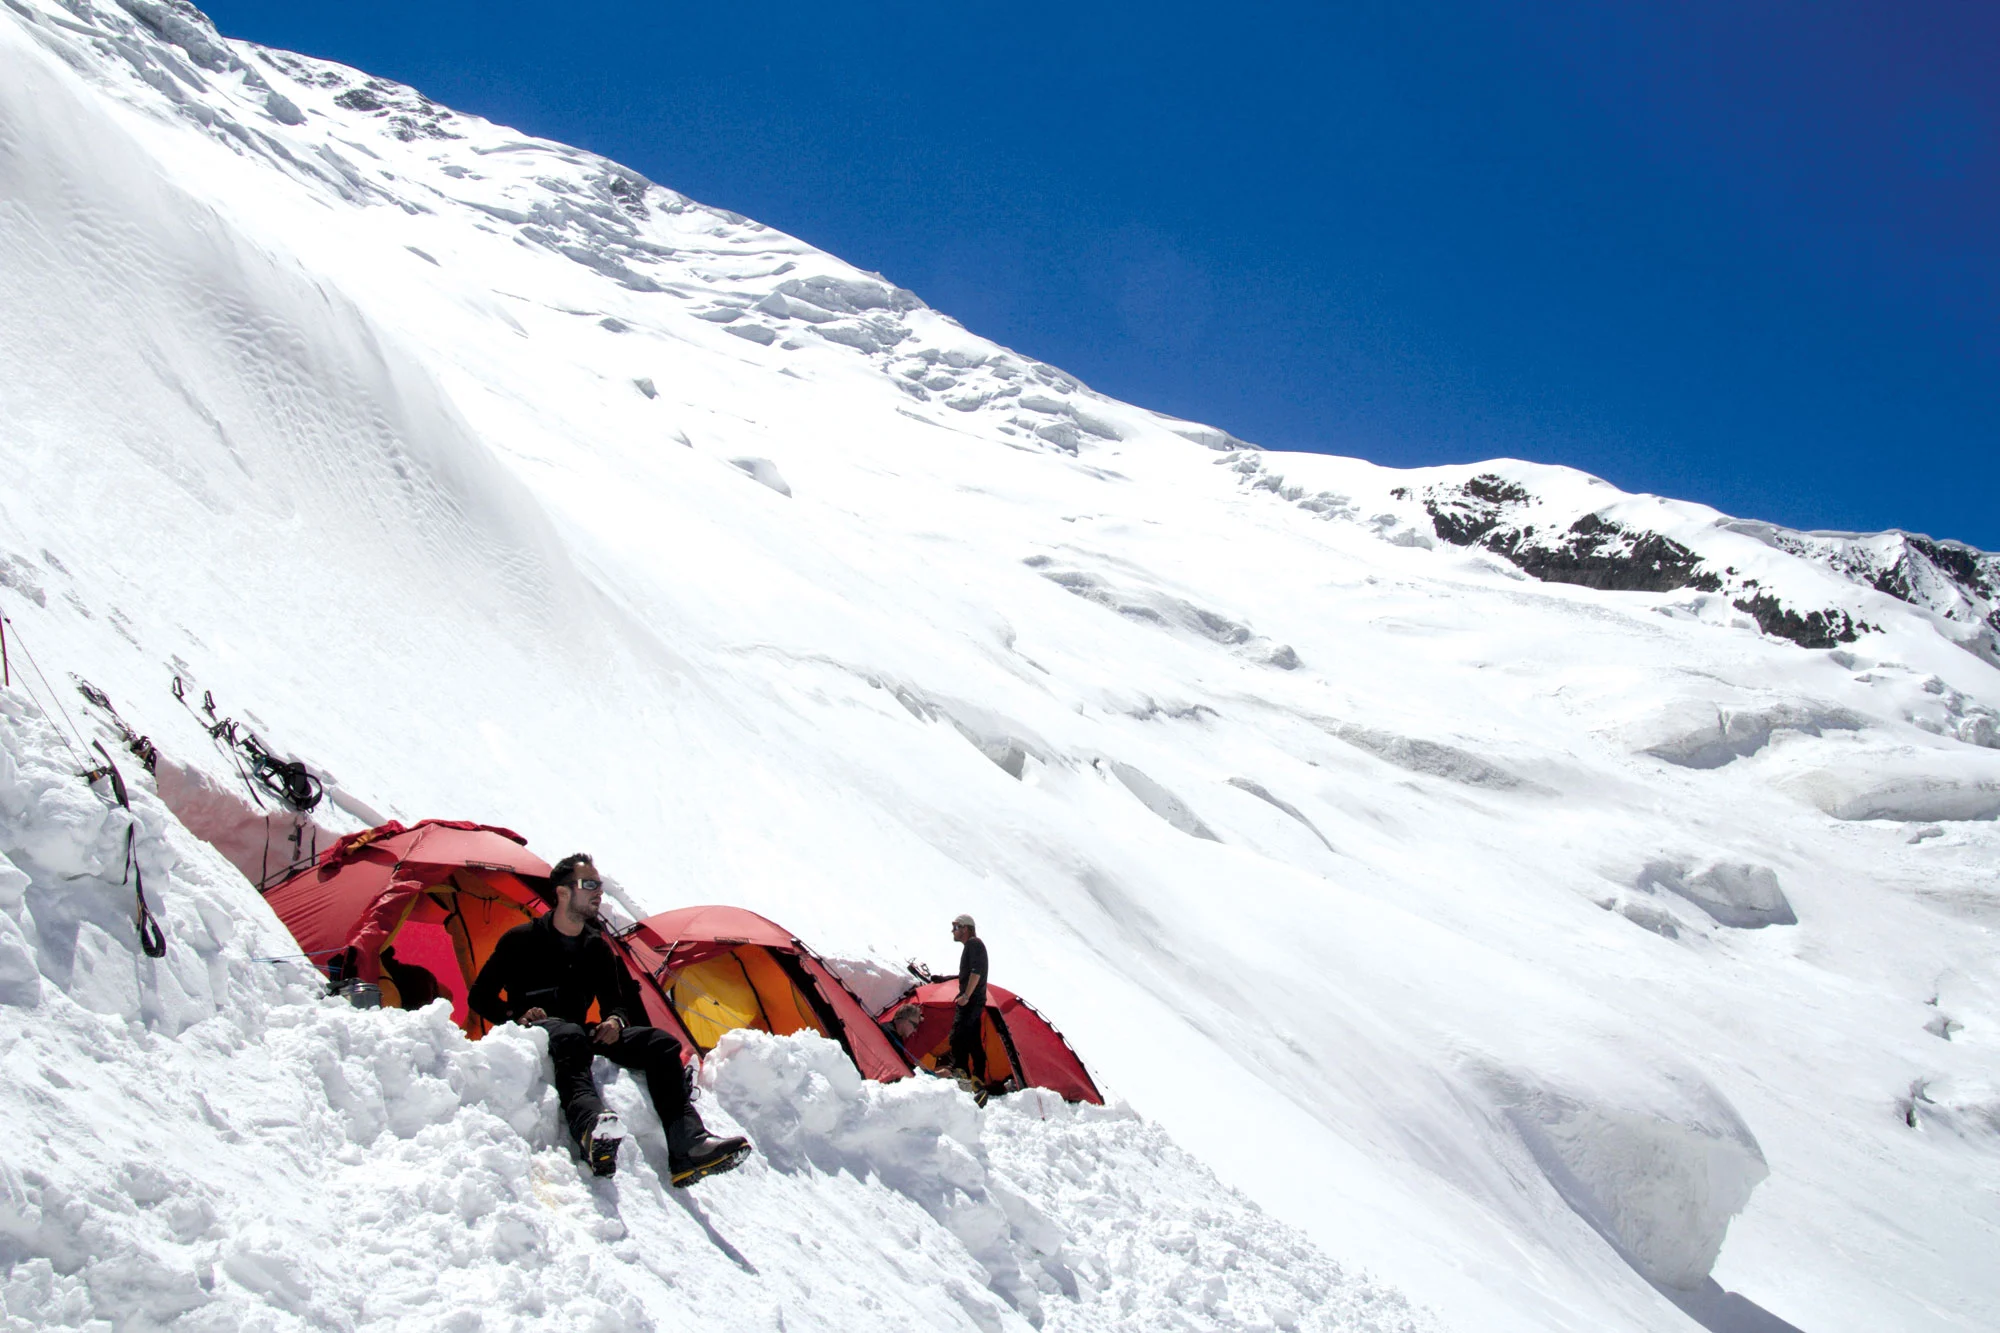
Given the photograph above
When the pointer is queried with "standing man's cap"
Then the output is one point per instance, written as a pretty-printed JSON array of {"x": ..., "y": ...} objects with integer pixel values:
[{"x": 963, "y": 920}]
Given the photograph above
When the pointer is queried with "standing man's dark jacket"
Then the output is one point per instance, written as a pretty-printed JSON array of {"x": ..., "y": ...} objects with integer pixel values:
[
  {"x": 971, "y": 959},
  {"x": 538, "y": 967},
  {"x": 968, "y": 1048}
]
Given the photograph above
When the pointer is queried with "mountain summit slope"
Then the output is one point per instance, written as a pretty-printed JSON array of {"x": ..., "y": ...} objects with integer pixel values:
[{"x": 1575, "y": 907}]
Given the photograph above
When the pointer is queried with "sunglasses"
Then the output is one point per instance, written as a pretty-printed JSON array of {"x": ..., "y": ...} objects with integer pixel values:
[{"x": 588, "y": 885}]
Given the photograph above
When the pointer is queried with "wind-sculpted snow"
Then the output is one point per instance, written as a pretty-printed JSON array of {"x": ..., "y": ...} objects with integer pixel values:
[
  {"x": 1433, "y": 758},
  {"x": 1155, "y": 607},
  {"x": 1733, "y": 893},
  {"x": 1661, "y": 1183},
  {"x": 1381, "y": 835},
  {"x": 1257, "y": 790},
  {"x": 1156, "y": 1242},
  {"x": 1728, "y": 735}
]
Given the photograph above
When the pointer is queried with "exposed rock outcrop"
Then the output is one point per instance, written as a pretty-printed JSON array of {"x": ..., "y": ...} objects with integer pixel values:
[{"x": 1593, "y": 551}]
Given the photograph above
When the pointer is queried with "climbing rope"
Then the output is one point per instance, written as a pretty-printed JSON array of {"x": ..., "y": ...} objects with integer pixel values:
[{"x": 74, "y": 753}]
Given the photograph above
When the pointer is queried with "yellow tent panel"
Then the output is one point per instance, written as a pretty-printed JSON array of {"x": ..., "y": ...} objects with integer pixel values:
[{"x": 744, "y": 988}]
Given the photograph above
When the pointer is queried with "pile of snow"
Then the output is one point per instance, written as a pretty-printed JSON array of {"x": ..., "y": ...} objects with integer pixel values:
[
  {"x": 1082, "y": 1217},
  {"x": 1381, "y": 851}
]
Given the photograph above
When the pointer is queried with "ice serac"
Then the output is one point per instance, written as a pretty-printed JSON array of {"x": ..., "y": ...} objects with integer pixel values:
[
  {"x": 1660, "y": 1178},
  {"x": 1299, "y": 792},
  {"x": 1734, "y": 893},
  {"x": 1726, "y": 735}
]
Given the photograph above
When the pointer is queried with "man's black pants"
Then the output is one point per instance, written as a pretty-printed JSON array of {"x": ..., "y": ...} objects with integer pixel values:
[
  {"x": 643, "y": 1050},
  {"x": 968, "y": 1043}
]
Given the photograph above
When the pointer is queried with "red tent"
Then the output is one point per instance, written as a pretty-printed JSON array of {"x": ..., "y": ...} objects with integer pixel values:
[
  {"x": 438, "y": 894},
  {"x": 1021, "y": 1045},
  {"x": 722, "y": 968}
]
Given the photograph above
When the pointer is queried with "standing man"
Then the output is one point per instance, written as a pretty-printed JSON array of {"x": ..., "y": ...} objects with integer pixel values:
[
  {"x": 968, "y": 1048},
  {"x": 546, "y": 972}
]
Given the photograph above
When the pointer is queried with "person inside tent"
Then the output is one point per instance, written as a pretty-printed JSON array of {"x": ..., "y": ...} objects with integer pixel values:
[
  {"x": 415, "y": 986},
  {"x": 902, "y": 1026},
  {"x": 968, "y": 1046},
  {"x": 548, "y": 972}
]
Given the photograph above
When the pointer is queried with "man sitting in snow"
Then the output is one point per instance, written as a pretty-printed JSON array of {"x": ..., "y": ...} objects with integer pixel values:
[
  {"x": 968, "y": 1045},
  {"x": 547, "y": 972}
]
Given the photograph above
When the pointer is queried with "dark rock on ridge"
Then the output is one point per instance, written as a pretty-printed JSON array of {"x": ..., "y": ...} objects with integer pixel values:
[
  {"x": 1593, "y": 552},
  {"x": 1598, "y": 552},
  {"x": 1814, "y": 629}
]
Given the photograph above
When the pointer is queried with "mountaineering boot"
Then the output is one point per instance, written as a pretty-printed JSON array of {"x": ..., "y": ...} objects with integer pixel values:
[
  {"x": 693, "y": 1152},
  {"x": 967, "y": 1084},
  {"x": 600, "y": 1144}
]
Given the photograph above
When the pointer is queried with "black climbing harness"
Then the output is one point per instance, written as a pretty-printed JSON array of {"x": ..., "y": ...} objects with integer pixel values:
[
  {"x": 289, "y": 781},
  {"x": 151, "y": 938}
]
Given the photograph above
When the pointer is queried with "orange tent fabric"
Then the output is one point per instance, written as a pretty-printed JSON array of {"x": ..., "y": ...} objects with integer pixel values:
[
  {"x": 322, "y": 905},
  {"x": 726, "y": 967},
  {"x": 1020, "y": 1043},
  {"x": 435, "y": 884}
]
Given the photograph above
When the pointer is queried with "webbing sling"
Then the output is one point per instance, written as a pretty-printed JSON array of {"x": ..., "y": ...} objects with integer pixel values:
[{"x": 151, "y": 938}]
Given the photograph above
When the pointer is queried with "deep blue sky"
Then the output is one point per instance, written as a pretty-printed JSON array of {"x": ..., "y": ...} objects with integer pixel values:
[{"x": 1739, "y": 251}]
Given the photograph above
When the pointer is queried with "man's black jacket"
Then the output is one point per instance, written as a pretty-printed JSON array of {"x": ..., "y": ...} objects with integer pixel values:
[{"x": 535, "y": 969}]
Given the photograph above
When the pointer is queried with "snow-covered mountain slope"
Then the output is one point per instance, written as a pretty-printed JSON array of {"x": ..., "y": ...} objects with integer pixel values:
[{"x": 1473, "y": 865}]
